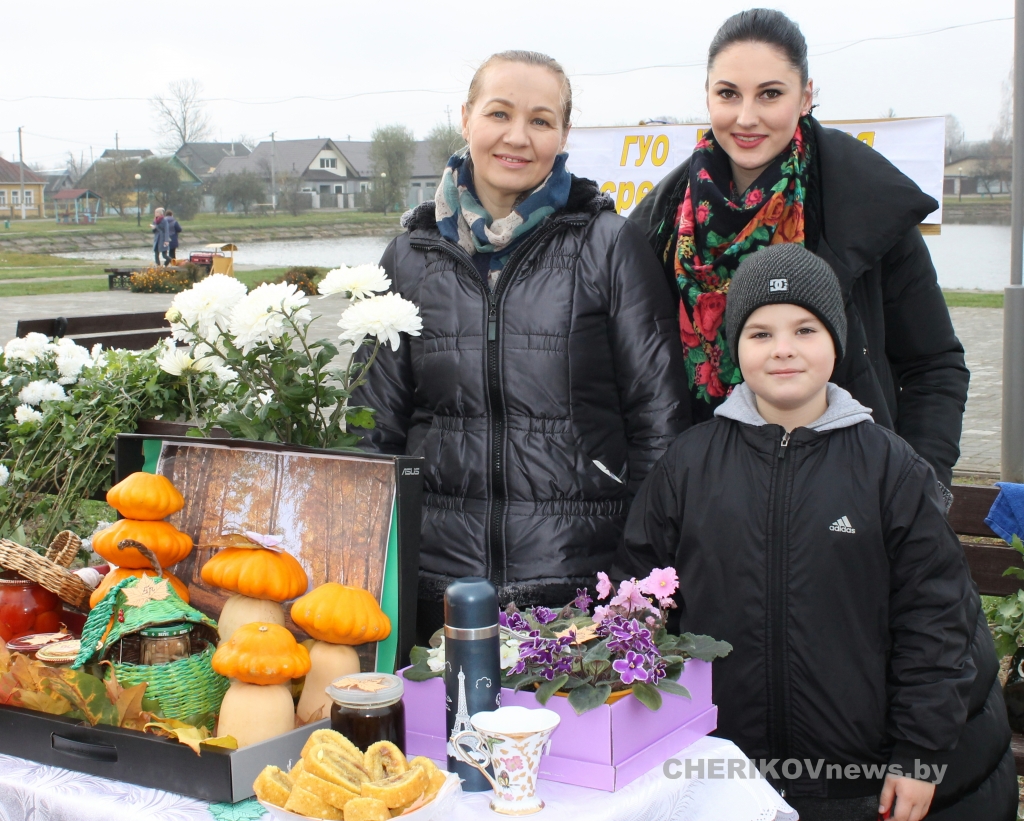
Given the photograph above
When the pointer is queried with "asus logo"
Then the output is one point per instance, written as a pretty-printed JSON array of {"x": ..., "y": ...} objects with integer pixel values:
[{"x": 410, "y": 471}]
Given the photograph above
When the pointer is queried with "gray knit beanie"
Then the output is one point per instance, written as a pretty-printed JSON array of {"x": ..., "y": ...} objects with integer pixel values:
[{"x": 785, "y": 273}]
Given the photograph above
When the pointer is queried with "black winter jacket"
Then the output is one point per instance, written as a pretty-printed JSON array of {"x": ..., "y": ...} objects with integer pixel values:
[
  {"x": 539, "y": 408},
  {"x": 829, "y": 566},
  {"x": 903, "y": 359}
]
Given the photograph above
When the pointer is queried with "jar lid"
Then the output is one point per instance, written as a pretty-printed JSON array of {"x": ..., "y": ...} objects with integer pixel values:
[
  {"x": 63, "y": 652},
  {"x": 13, "y": 577},
  {"x": 32, "y": 643},
  {"x": 366, "y": 689},
  {"x": 164, "y": 631}
]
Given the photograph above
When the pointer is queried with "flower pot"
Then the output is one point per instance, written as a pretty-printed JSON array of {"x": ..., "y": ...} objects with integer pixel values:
[{"x": 605, "y": 748}]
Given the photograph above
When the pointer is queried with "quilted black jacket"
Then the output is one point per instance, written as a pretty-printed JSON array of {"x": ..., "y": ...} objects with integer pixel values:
[
  {"x": 857, "y": 633},
  {"x": 539, "y": 407}
]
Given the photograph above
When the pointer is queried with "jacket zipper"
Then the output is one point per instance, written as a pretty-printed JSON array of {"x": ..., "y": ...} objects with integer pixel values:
[
  {"x": 495, "y": 546},
  {"x": 777, "y": 599}
]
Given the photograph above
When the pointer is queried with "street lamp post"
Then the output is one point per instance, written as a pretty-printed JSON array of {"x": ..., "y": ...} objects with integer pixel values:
[
  {"x": 384, "y": 190},
  {"x": 960, "y": 183},
  {"x": 138, "y": 201}
]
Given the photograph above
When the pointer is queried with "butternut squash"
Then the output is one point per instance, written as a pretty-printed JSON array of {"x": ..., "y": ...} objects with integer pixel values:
[
  {"x": 239, "y": 610},
  {"x": 253, "y": 712},
  {"x": 327, "y": 663}
]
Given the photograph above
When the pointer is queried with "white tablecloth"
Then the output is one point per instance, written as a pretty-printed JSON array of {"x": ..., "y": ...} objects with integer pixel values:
[{"x": 33, "y": 792}]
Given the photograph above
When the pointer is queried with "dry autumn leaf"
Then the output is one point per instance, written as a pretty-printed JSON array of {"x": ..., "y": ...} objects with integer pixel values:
[
  {"x": 369, "y": 685},
  {"x": 579, "y": 635},
  {"x": 146, "y": 591},
  {"x": 189, "y": 735}
]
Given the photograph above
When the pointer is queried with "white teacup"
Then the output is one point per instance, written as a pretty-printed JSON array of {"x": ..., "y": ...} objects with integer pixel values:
[{"x": 510, "y": 740}]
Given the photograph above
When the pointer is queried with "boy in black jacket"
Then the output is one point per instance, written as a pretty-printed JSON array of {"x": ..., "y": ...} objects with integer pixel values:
[{"x": 815, "y": 542}]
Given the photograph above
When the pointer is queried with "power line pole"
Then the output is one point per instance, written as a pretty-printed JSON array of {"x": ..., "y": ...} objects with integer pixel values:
[
  {"x": 273, "y": 171},
  {"x": 448, "y": 111},
  {"x": 21, "y": 172},
  {"x": 1012, "y": 456}
]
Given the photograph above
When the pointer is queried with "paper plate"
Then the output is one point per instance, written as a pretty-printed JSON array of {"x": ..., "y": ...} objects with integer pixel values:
[{"x": 443, "y": 803}]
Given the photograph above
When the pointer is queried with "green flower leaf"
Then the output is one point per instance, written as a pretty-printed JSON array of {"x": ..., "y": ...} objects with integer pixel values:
[
  {"x": 675, "y": 688},
  {"x": 549, "y": 688},
  {"x": 704, "y": 648},
  {"x": 588, "y": 697},
  {"x": 647, "y": 695}
]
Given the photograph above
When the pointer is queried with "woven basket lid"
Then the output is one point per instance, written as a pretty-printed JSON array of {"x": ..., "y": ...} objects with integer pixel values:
[{"x": 129, "y": 607}]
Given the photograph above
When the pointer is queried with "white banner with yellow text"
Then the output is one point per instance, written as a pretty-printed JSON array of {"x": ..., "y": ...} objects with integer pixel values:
[{"x": 627, "y": 162}]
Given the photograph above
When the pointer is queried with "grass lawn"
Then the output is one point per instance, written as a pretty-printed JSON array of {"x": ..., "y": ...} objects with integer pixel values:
[
  {"x": 973, "y": 299},
  {"x": 204, "y": 223}
]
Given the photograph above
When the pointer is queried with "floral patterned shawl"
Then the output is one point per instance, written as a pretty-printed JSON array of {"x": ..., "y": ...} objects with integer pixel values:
[{"x": 717, "y": 228}]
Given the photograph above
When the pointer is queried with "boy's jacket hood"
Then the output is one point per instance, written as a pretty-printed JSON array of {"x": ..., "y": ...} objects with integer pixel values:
[{"x": 843, "y": 410}]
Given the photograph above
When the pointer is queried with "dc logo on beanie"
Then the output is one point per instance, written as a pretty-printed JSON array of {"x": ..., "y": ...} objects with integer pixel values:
[{"x": 777, "y": 286}]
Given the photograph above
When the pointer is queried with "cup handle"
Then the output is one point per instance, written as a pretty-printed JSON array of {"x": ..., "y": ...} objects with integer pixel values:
[{"x": 476, "y": 743}]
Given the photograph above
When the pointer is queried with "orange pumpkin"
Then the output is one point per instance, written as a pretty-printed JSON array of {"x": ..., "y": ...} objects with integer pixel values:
[
  {"x": 145, "y": 496},
  {"x": 168, "y": 543},
  {"x": 339, "y": 614},
  {"x": 261, "y": 653},
  {"x": 115, "y": 577},
  {"x": 257, "y": 573}
]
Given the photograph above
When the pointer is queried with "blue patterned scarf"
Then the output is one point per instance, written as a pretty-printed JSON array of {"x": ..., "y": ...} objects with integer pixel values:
[{"x": 463, "y": 220}]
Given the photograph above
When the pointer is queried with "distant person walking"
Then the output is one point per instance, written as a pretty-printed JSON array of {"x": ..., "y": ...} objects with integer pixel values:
[
  {"x": 159, "y": 229},
  {"x": 173, "y": 229},
  {"x": 769, "y": 172}
]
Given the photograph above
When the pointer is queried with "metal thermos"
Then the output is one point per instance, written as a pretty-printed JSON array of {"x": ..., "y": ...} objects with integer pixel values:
[{"x": 472, "y": 671}]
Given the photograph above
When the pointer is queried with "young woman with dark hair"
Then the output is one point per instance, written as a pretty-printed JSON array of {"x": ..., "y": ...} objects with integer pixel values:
[
  {"x": 769, "y": 172},
  {"x": 548, "y": 378}
]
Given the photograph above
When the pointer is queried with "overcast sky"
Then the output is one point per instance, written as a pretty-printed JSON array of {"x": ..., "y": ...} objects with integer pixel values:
[{"x": 59, "y": 54}]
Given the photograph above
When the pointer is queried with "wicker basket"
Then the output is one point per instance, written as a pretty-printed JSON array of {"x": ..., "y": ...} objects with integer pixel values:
[
  {"x": 185, "y": 688},
  {"x": 50, "y": 571}
]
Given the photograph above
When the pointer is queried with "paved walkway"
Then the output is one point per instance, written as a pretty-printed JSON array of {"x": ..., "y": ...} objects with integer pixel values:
[{"x": 980, "y": 330}]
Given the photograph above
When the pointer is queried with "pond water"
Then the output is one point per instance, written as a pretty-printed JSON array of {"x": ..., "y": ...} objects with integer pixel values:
[{"x": 965, "y": 256}]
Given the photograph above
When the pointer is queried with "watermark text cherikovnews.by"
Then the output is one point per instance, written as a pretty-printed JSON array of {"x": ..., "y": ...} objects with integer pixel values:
[{"x": 793, "y": 768}]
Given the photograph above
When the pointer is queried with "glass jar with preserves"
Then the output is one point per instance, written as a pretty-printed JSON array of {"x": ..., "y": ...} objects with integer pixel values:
[
  {"x": 368, "y": 708},
  {"x": 27, "y": 607},
  {"x": 164, "y": 643}
]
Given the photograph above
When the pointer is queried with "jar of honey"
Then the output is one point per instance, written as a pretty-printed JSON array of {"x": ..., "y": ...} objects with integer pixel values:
[
  {"x": 27, "y": 607},
  {"x": 368, "y": 708}
]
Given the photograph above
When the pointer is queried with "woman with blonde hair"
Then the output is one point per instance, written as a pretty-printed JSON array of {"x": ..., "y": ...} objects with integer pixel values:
[{"x": 548, "y": 378}]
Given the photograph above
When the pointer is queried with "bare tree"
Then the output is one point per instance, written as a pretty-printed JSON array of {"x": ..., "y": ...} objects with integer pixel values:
[
  {"x": 954, "y": 138},
  {"x": 890, "y": 114},
  {"x": 1003, "y": 132},
  {"x": 181, "y": 116},
  {"x": 76, "y": 166},
  {"x": 246, "y": 140},
  {"x": 443, "y": 140},
  {"x": 391, "y": 154}
]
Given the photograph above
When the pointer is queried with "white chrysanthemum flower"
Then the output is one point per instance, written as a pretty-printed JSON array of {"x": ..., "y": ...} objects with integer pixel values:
[
  {"x": 71, "y": 359},
  {"x": 26, "y": 413},
  {"x": 30, "y": 348},
  {"x": 225, "y": 374},
  {"x": 5, "y": 474},
  {"x": 6, "y": 381},
  {"x": 177, "y": 361},
  {"x": 39, "y": 391},
  {"x": 206, "y": 305},
  {"x": 261, "y": 316},
  {"x": 384, "y": 317},
  {"x": 359, "y": 283}
]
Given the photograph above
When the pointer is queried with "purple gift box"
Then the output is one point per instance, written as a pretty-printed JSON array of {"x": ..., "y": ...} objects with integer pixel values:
[{"x": 605, "y": 749}]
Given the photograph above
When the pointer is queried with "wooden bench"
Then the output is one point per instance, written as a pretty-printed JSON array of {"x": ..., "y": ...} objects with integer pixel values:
[
  {"x": 987, "y": 560},
  {"x": 135, "y": 332}
]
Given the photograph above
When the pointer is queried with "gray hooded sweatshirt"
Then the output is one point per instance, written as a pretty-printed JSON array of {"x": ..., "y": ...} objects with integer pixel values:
[{"x": 843, "y": 410}]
